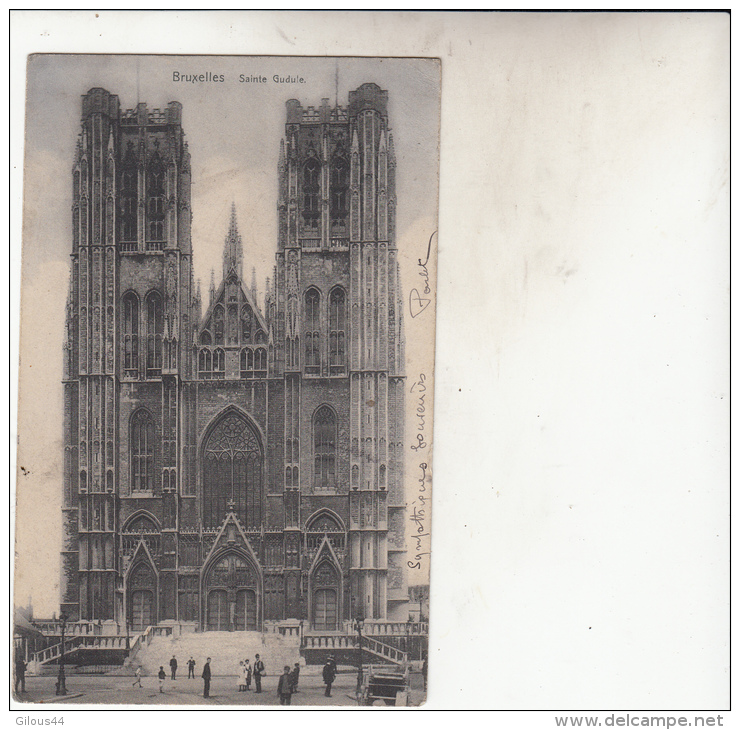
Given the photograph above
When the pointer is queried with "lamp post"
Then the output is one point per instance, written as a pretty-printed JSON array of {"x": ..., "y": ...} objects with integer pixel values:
[
  {"x": 128, "y": 635},
  {"x": 61, "y": 682},
  {"x": 358, "y": 626}
]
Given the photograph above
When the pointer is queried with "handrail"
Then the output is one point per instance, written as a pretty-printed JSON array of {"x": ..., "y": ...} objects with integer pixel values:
[
  {"x": 374, "y": 646},
  {"x": 52, "y": 652}
]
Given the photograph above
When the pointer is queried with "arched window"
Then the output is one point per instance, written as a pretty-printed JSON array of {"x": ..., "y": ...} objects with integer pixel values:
[
  {"x": 311, "y": 192},
  {"x": 324, "y": 448},
  {"x": 130, "y": 334},
  {"x": 260, "y": 363},
  {"x": 218, "y": 325},
  {"x": 155, "y": 203},
  {"x": 233, "y": 324},
  {"x": 205, "y": 338},
  {"x": 337, "y": 334},
  {"x": 129, "y": 207},
  {"x": 204, "y": 363},
  {"x": 218, "y": 363},
  {"x": 311, "y": 331},
  {"x": 141, "y": 446},
  {"x": 246, "y": 324},
  {"x": 339, "y": 185},
  {"x": 154, "y": 328},
  {"x": 247, "y": 363},
  {"x": 232, "y": 473}
]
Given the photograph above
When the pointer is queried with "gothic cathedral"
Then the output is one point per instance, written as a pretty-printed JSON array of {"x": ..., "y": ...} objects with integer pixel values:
[{"x": 230, "y": 463}]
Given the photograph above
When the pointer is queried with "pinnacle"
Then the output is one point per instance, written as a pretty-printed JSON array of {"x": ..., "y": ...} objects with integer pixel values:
[{"x": 233, "y": 254}]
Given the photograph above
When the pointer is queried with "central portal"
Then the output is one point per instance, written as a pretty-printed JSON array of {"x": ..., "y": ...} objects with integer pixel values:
[{"x": 231, "y": 595}]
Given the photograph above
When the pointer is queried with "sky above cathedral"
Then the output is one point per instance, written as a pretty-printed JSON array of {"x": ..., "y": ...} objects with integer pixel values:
[{"x": 233, "y": 128}]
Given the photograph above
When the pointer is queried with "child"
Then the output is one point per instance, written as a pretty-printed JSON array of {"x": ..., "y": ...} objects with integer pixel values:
[
  {"x": 137, "y": 680},
  {"x": 241, "y": 678},
  {"x": 162, "y": 676}
]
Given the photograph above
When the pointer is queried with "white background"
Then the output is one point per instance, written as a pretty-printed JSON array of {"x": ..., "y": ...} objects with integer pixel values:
[{"x": 581, "y": 485}]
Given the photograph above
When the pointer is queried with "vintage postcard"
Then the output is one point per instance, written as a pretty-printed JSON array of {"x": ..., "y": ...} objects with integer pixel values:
[{"x": 227, "y": 370}]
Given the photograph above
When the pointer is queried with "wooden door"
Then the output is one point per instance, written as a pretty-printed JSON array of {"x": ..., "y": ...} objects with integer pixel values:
[
  {"x": 245, "y": 618},
  {"x": 325, "y": 609},
  {"x": 142, "y": 613},
  {"x": 218, "y": 611}
]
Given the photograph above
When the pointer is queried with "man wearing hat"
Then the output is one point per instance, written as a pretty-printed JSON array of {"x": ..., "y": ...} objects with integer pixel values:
[
  {"x": 258, "y": 672},
  {"x": 328, "y": 674}
]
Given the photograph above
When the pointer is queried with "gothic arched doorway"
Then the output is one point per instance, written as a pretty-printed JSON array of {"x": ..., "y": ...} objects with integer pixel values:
[
  {"x": 142, "y": 589},
  {"x": 232, "y": 472},
  {"x": 325, "y": 584},
  {"x": 231, "y": 590}
]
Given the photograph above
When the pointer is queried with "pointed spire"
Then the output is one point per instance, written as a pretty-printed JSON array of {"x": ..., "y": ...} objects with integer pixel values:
[
  {"x": 254, "y": 284},
  {"x": 391, "y": 151},
  {"x": 233, "y": 247},
  {"x": 212, "y": 288}
]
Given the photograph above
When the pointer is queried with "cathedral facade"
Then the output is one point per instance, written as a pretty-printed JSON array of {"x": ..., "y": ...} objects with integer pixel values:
[{"x": 234, "y": 462}]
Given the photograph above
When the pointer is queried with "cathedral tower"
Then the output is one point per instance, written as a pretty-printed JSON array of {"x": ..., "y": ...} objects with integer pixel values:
[
  {"x": 339, "y": 337},
  {"x": 129, "y": 307}
]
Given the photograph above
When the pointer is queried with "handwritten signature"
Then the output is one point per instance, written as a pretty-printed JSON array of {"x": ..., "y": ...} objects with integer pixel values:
[{"x": 417, "y": 302}]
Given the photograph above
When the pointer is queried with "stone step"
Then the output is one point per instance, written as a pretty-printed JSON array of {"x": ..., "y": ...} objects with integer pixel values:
[{"x": 225, "y": 648}]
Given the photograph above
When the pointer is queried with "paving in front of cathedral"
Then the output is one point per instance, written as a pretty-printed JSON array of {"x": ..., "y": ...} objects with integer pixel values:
[{"x": 109, "y": 690}]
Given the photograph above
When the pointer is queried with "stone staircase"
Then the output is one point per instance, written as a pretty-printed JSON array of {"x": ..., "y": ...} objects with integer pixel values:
[{"x": 225, "y": 648}]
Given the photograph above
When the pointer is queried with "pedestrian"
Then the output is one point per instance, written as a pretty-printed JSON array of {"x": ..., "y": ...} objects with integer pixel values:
[
  {"x": 20, "y": 674},
  {"x": 241, "y": 680},
  {"x": 191, "y": 668},
  {"x": 285, "y": 686},
  {"x": 207, "y": 678},
  {"x": 294, "y": 676},
  {"x": 424, "y": 668},
  {"x": 173, "y": 667},
  {"x": 162, "y": 676},
  {"x": 328, "y": 674},
  {"x": 258, "y": 672},
  {"x": 137, "y": 678},
  {"x": 248, "y": 674}
]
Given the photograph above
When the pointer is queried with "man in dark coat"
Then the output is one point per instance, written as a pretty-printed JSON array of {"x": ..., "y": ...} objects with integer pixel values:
[
  {"x": 328, "y": 674},
  {"x": 294, "y": 676},
  {"x": 191, "y": 668},
  {"x": 258, "y": 672},
  {"x": 173, "y": 667},
  {"x": 207, "y": 678},
  {"x": 20, "y": 674},
  {"x": 285, "y": 686}
]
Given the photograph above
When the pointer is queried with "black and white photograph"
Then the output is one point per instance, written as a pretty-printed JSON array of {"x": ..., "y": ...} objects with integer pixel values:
[{"x": 238, "y": 256}]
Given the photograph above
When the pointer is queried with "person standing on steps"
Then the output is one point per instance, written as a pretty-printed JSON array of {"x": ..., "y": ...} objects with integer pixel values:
[
  {"x": 328, "y": 674},
  {"x": 162, "y": 676},
  {"x": 259, "y": 672},
  {"x": 207, "y": 678},
  {"x": 191, "y": 668},
  {"x": 173, "y": 667},
  {"x": 285, "y": 686}
]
